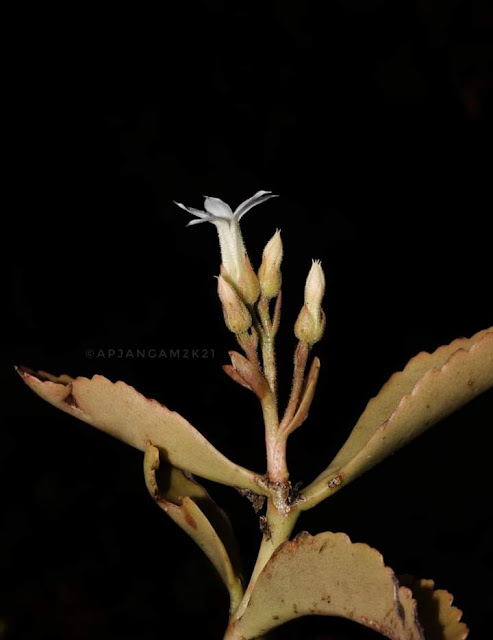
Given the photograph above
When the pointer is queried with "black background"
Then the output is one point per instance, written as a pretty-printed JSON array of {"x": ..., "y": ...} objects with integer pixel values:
[{"x": 370, "y": 120}]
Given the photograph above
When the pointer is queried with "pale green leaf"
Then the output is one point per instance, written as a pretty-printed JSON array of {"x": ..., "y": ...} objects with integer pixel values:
[
  {"x": 431, "y": 387},
  {"x": 190, "y": 506},
  {"x": 118, "y": 409},
  {"x": 328, "y": 575}
]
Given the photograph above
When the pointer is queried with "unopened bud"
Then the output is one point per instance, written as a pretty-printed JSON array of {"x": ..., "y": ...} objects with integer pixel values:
[
  {"x": 310, "y": 324},
  {"x": 236, "y": 315},
  {"x": 315, "y": 287},
  {"x": 269, "y": 273},
  {"x": 248, "y": 284}
]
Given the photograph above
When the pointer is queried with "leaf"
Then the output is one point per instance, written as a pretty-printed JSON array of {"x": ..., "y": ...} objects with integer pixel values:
[
  {"x": 190, "y": 506},
  {"x": 328, "y": 575},
  {"x": 308, "y": 393},
  {"x": 247, "y": 374},
  {"x": 431, "y": 387},
  {"x": 439, "y": 619},
  {"x": 124, "y": 413}
]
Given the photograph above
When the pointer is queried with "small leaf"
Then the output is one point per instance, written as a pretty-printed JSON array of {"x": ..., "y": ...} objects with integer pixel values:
[
  {"x": 306, "y": 398},
  {"x": 439, "y": 619},
  {"x": 431, "y": 387},
  {"x": 124, "y": 413},
  {"x": 234, "y": 375},
  {"x": 251, "y": 376},
  {"x": 190, "y": 506},
  {"x": 328, "y": 575}
]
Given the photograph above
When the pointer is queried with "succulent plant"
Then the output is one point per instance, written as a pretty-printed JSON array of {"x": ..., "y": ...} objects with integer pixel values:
[{"x": 324, "y": 574}]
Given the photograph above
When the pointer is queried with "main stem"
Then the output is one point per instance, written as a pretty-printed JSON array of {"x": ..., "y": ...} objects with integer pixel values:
[
  {"x": 268, "y": 356},
  {"x": 280, "y": 517},
  {"x": 277, "y": 529},
  {"x": 275, "y": 441}
]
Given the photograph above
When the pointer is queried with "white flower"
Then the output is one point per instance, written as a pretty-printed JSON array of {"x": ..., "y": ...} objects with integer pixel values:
[{"x": 227, "y": 222}]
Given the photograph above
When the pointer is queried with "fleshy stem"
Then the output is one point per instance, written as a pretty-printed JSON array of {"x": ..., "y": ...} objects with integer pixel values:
[
  {"x": 280, "y": 516},
  {"x": 274, "y": 440},
  {"x": 277, "y": 529},
  {"x": 264, "y": 329}
]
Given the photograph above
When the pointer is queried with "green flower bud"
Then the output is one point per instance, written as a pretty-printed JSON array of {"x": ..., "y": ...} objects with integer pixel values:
[
  {"x": 248, "y": 284},
  {"x": 269, "y": 273},
  {"x": 236, "y": 315},
  {"x": 310, "y": 324}
]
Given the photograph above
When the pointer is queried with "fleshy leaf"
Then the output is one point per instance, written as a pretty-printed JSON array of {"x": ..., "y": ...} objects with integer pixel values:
[
  {"x": 124, "y": 413},
  {"x": 190, "y": 506},
  {"x": 438, "y": 617},
  {"x": 431, "y": 387},
  {"x": 328, "y": 575}
]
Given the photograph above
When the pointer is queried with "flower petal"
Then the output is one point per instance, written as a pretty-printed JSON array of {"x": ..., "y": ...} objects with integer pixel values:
[
  {"x": 258, "y": 198},
  {"x": 218, "y": 208},
  {"x": 194, "y": 212},
  {"x": 212, "y": 219}
]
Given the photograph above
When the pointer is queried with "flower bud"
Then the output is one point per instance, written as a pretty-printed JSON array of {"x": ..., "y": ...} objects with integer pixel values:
[
  {"x": 315, "y": 287},
  {"x": 236, "y": 315},
  {"x": 310, "y": 324},
  {"x": 269, "y": 273},
  {"x": 248, "y": 284}
]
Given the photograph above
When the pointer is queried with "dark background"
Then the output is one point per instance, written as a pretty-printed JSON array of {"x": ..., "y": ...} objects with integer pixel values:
[{"x": 370, "y": 120}]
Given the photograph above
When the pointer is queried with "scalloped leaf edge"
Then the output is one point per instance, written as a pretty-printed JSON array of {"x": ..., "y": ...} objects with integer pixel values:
[
  {"x": 271, "y": 603},
  {"x": 373, "y": 451},
  {"x": 123, "y": 412}
]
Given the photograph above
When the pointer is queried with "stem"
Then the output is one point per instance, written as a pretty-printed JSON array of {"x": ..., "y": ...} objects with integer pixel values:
[
  {"x": 277, "y": 313},
  {"x": 275, "y": 442},
  {"x": 280, "y": 516},
  {"x": 267, "y": 338},
  {"x": 247, "y": 343},
  {"x": 263, "y": 309},
  {"x": 277, "y": 530},
  {"x": 300, "y": 359},
  {"x": 269, "y": 359}
]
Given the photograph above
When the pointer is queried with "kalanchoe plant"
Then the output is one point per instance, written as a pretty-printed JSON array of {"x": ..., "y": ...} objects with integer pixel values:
[{"x": 325, "y": 574}]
